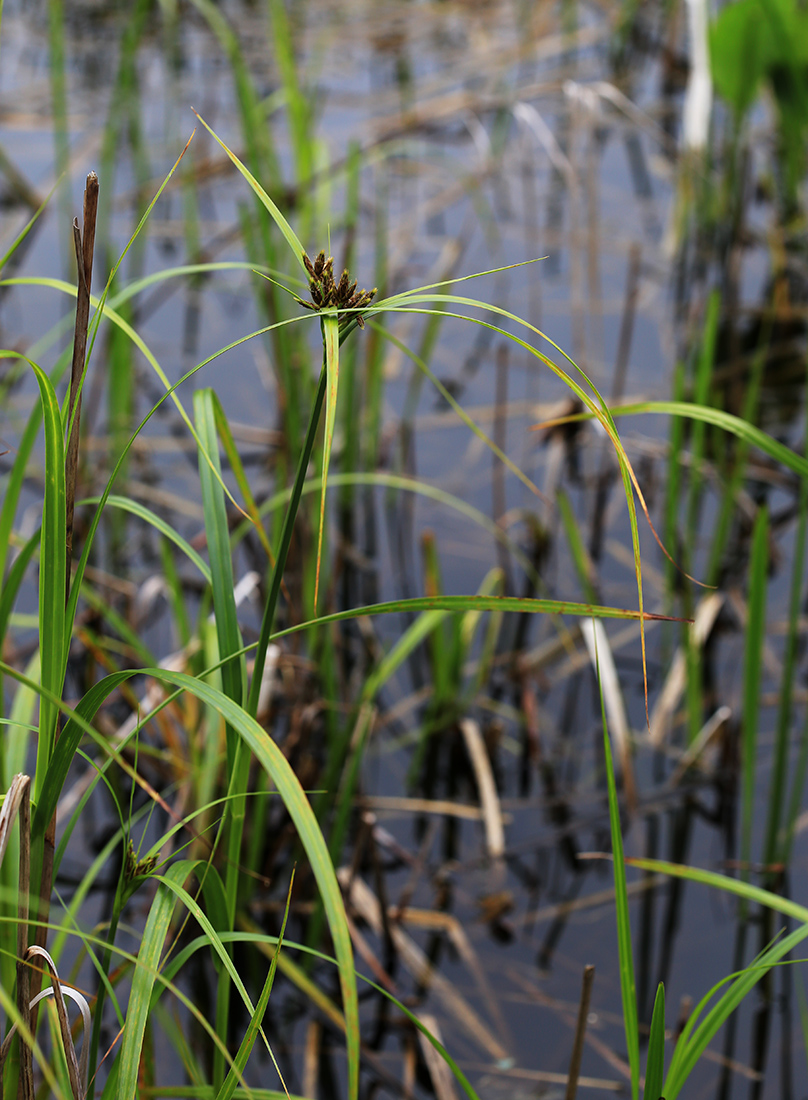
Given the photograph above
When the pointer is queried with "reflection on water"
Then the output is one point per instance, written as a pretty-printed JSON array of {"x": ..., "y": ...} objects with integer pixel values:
[{"x": 448, "y": 138}]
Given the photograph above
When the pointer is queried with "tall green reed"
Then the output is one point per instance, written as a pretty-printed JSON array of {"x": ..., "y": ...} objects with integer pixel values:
[
  {"x": 704, "y": 1022},
  {"x": 340, "y": 314}
]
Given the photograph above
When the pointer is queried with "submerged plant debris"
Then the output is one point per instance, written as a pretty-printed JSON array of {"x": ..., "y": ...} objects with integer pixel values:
[{"x": 351, "y": 660}]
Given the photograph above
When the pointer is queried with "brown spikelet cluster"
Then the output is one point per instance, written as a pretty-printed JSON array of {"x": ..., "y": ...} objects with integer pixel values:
[{"x": 328, "y": 294}]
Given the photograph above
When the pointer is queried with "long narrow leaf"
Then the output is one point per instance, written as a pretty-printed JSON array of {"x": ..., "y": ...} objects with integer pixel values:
[
  {"x": 279, "y": 770},
  {"x": 461, "y": 604},
  {"x": 117, "y": 319},
  {"x": 655, "y": 1066},
  {"x": 218, "y": 537},
  {"x": 331, "y": 345},
  {"x": 596, "y": 405},
  {"x": 274, "y": 212},
  {"x": 777, "y": 815},
  {"x": 233, "y": 670},
  {"x": 268, "y": 617},
  {"x": 89, "y": 539},
  {"x": 126, "y": 504},
  {"x": 267, "y": 943},
  {"x": 240, "y": 1061},
  {"x": 457, "y": 407},
  {"x": 696, "y": 1036},
  {"x": 237, "y": 466},
  {"x": 52, "y": 575},
  {"x": 13, "y": 486},
  {"x": 11, "y": 585},
  {"x": 624, "y": 945},
  {"x": 405, "y": 484},
  {"x": 151, "y": 950},
  {"x": 753, "y": 894},
  {"x": 753, "y": 658},
  {"x": 749, "y": 433}
]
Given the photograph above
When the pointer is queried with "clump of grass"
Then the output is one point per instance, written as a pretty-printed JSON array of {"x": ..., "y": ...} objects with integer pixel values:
[
  {"x": 218, "y": 745},
  {"x": 340, "y": 309}
]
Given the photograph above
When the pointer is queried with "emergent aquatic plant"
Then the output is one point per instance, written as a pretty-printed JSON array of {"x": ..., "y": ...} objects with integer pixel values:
[{"x": 765, "y": 42}]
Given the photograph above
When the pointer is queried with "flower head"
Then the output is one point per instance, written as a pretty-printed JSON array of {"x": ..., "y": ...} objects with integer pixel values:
[{"x": 328, "y": 294}]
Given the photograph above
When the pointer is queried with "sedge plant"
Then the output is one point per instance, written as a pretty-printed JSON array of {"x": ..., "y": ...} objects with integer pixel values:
[{"x": 225, "y": 685}]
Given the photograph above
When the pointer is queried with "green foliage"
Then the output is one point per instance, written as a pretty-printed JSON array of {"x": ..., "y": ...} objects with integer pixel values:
[
  {"x": 625, "y": 950},
  {"x": 230, "y": 766},
  {"x": 757, "y": 42},
  {"x": 755, "y": 633},
  {"x": 740, "y": 48},
  {"x": 655, "y": 1064}
]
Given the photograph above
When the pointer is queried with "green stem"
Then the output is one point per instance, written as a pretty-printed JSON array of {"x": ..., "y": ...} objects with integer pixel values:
[
  {"x": 106, "y": 962},
  {"x": 283, "y": 549}
]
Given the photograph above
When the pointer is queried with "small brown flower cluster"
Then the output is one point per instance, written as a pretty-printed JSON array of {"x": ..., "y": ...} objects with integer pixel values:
[
  {"x": 136, "y": 868},
  {"x": 326, "y": 294}
]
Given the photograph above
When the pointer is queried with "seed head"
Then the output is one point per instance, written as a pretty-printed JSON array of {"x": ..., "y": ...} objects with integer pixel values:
[{"x": 327, "y": 294}]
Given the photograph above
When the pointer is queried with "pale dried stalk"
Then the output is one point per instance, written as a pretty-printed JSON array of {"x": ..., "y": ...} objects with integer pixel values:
[
  {"x": 77, "y": 1078},
  {"x": 366, "y": 905},
  {"x": 486, "y": 786},
  {"x": 600, "y": 654},
  {"x": 439, "y": 1072}
]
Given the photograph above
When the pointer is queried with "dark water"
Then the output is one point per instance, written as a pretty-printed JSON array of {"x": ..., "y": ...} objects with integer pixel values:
[{"x": 485, "y": 143}]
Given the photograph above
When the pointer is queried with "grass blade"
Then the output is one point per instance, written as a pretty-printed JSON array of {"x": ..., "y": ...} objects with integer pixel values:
[
  {"x": 456, "y": 406},
  {"x": 52, "y": 573},
  {"x": 236, "y": 465},
  {"x": 749, "y": 433},
  {"x": 297, "y": 104},
  {"x": 247, "y": 1043},
  {"x": 272, "y": 760},
  {"x": 752, "y": 894},
  {"x": 695, "y": 1037},
  {"x": 775, "y": 844},
  {"x": 11, "y": 585},
  {"x": 592, "y": 401},
  {"x": 627, "y": 984},
  {"x": 218, "y": 538},
  {"x": 13, "y": 486},
  {"x": 420, "y": 629},
  {"x": 263, "y": 197},
  {"x": 151, "y": 949},
  {"x": 23, "y": 233},
  {"x": 655, "y": 1065},
  {"x": 753, "y": 657},
  {"x": 584, "y": 566},
  {"x": 404, "y": 484},
  {"x": 459, "y": 604},
  {"x": 330, "y": 326},
  {"x": 126, "y": 504},
  {"x": 233, "y": 670}
]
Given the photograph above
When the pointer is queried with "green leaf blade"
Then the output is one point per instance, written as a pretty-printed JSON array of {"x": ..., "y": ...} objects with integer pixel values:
[
  {"x": 281, "y": 222},
  {"x": 625, "y": 949},
  {"x": 655, "y": 1065},
  {"x": 151, "y": 949},
  {"x": 52, "y": 575},
  {"x": 330, "y": 325},
  {"x": 219, "y": 554},
  {"x": 753, "y": 661}
]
